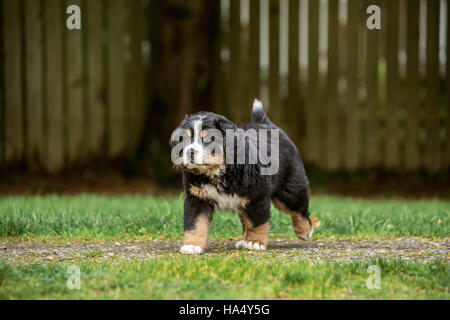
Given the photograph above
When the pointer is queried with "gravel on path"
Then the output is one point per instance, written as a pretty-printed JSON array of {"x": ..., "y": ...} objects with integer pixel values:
[{"x": 321, "y": 251}]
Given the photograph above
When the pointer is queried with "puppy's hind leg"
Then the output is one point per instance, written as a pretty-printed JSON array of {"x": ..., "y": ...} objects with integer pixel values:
[{"x": 297, "y": 208}]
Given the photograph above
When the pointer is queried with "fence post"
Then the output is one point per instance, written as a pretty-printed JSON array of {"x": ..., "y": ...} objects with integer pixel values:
[
  {"x": 254, "y": 57},
  {"x": 275, "y": 108},
  {"x": 412, "y": 160},
  {"x": 433, "y": 159},
  {"x": 116, "y": 72},
  {"x": 13, "y": 82},
  {"x": 294, "y": 77},
  {"x": 95, "y": 77},
  {"x": 447, "y": 98},
  {"x": 392, "y": 146},
  {"x": 352, "y": 128},
  {"x": 2, "y": 94},
  {"x": 35, "y": 152},
  {"x": 74, "y": 89},
  {"x": 235, "y": 60},
  {"x": 332, "y": 145},
  {"x": 372, "y": 151},
  {"x": 135, "y": 82},
  {"x": 54, "y": 22},
  {"x": 312, "y": 133}
]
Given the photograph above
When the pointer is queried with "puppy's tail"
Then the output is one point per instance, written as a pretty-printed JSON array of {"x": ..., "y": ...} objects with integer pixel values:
[{"x": 258, "y": 114}]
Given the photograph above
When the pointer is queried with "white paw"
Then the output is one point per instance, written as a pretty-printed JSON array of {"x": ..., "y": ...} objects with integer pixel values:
[
  {"x": 241, "y": 244},
  {"x": 249, "y": 245},
  {"x": 306, "y": 237},
  {"x": 190, "y": 249}
]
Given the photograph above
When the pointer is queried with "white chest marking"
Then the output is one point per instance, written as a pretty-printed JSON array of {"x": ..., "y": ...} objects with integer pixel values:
[{"x": 224, "y": 201}]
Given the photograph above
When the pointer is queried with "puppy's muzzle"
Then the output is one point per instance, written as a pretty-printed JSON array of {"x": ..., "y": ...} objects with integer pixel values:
[{"x": 193, "y": 154}]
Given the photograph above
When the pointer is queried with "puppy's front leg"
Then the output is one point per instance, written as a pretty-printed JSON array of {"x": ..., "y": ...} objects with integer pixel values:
[
  {"x": 256, "y": 226},
  {"x": 197, "y": 220}
]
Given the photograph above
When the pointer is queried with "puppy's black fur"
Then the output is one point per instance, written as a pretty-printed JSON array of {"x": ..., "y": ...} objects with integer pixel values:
[{"x": 288, "y": 188}]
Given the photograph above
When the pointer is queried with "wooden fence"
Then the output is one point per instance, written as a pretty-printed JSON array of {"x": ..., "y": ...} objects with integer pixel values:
[
  {"x": 71, "y": 95},
  {"x": 364, "y": 99},
  {"x": 351, "y": 98}
]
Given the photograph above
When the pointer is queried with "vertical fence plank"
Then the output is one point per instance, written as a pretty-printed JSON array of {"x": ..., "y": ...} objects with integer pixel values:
[
  {"x": 275, "y": 109},
  {"x": 245, "y": 101},
  {"x": 136, "y": 81},
  {"x": 220, "y": 67},
  {"x": 255, "y": 82},
  {"x": 448, "y": 86},
  {"x": 95, "y": 76},
  {"x": 74, "y": 86},
  {"x": 332, "y": 145},
  {"x": 433, "y": 105},
  {"x": 222, "y": 94},
  {"x": 294, "y": 68},
  {"x": 2, "y": 93},
  {"x": 33, "y": 67},
  {"x": 352, "y": 128},
  {"x": 13, "y": 121},
  {"x": 116, "y": 81},
  {"x": 54, "y": 24},
  {"x": 312, "y": 133},
  {"x": 372, "y": 152},
  {"x": 235, "y": 60},
  {"x": 392, "y": 145},
  {"x": 412, "y": 160}
]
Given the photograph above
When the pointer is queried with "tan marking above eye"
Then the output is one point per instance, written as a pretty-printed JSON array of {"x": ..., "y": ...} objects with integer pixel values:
[
  {"x": 189, "y": 132},
  {"x": 203, "y": 133}
]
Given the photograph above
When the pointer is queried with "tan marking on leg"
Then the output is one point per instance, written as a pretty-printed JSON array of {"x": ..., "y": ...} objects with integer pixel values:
[
  {"x": 301, "y": 225},
  {"x": 198, "y": 192},
  {"x": 198, "y": 235},
  {"x": 244, "y": 203},
  {"x": 259, "y": 234}
]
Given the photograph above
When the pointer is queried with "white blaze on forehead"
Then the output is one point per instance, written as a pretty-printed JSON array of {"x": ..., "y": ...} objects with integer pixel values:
[
  {"x": 196, "y": 145},
  {"x": 197, "y": 131}
]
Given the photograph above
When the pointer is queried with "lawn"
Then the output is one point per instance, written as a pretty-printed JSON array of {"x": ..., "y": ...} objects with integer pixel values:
[
  {"x": 233, "y": 277},
  {"x": 90, "y": 217},
  {"x": 278, "y": 273}
]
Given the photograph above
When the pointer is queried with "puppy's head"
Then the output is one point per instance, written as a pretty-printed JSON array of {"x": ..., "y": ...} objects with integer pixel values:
[{"x": 198, "y": 143}]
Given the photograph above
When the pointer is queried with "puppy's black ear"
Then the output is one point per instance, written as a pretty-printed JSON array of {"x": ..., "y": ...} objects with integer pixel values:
[{"x": 222, "y": 123}]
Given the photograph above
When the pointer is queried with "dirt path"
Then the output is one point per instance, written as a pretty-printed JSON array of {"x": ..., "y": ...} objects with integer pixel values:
[{"x": 410, "y": 249}]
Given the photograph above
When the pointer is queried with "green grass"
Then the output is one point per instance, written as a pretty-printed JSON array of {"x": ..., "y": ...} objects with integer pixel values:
[
  {"x": 89, "y": 217},
  {"x": 173, "y": 276},
  {"x": 228, "y": 275}
]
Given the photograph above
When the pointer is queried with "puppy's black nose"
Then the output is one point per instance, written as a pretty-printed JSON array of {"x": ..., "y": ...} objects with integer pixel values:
[{"x": 191, "y": 153}]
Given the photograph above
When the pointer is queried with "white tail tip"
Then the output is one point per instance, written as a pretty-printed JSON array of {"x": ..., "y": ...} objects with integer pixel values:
[{"x": 257, "y": 104}]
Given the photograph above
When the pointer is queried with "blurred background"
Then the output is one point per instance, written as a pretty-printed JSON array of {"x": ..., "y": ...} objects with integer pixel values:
[{"x": 93, "y": 109}]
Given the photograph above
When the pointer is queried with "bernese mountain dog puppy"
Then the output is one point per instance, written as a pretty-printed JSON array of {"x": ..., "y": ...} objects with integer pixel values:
[{"x": 215, "y": 180}]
